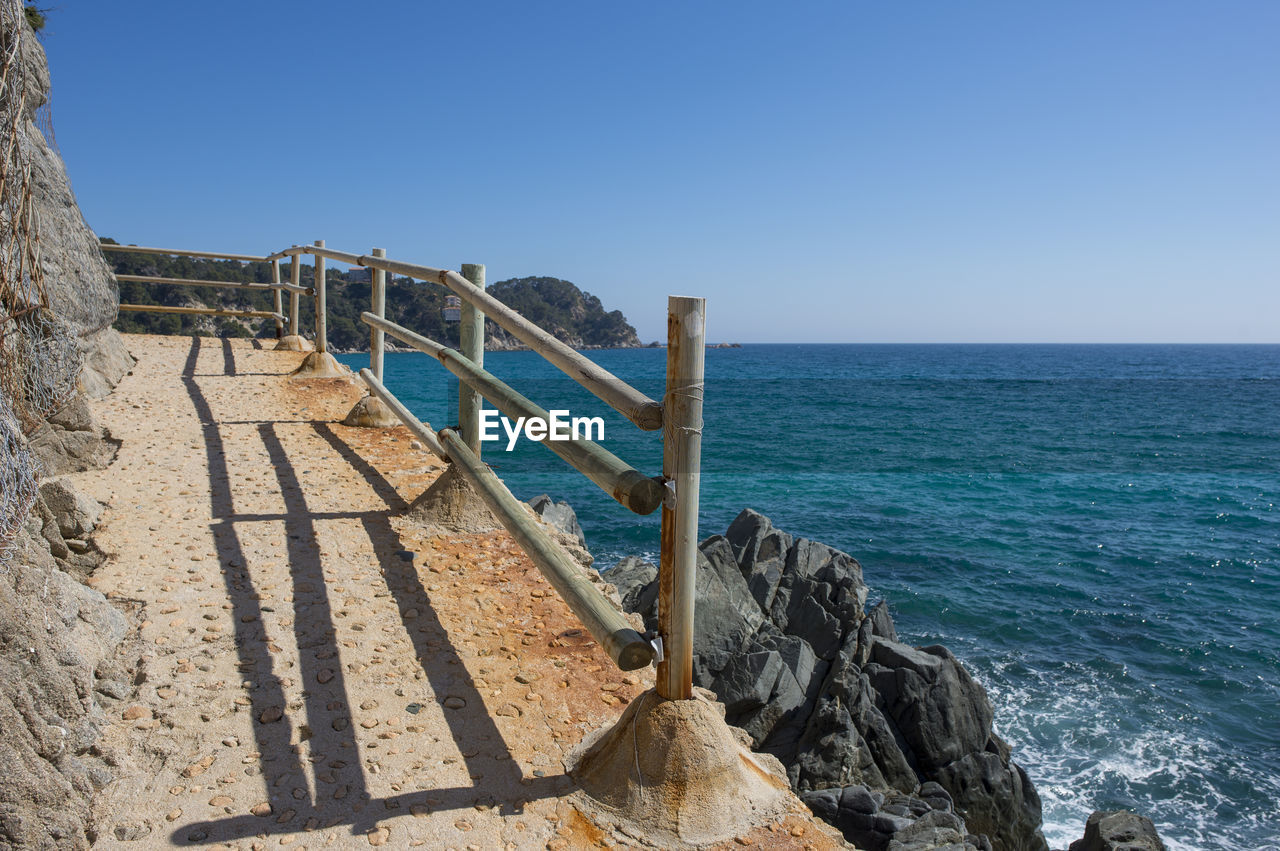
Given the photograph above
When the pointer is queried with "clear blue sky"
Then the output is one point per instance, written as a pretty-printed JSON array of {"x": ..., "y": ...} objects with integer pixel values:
[{"x": 841, "y": 172}]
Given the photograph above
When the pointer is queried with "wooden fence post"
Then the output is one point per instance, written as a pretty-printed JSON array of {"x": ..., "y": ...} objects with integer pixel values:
[
  {"x": 278, "y": 299},
  {"x": 472, "y": 345},
  {"x": 295, "y": 278},
  {"x": 681, "y": 463},
  {"x": 322, "y": 323},
  {"x": 379, "y": 290}
]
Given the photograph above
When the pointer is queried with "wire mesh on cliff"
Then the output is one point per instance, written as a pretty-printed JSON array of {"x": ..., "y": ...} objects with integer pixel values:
[
  {"x": 39, "y": 353},
  {"x": 17, "y": 480}
]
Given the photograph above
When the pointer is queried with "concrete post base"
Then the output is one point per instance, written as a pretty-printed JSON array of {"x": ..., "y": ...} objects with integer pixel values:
[
  {"x": 371, "y": 412},
  {"x": 452, "y": 505},
  {"x": 321, "y": 365},
  {"x": 675, "y": 770},
  {"x": 293, "y": 343}
]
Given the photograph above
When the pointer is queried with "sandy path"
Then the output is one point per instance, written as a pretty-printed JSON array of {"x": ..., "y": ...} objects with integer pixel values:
[{"x": 316, "y": 671}]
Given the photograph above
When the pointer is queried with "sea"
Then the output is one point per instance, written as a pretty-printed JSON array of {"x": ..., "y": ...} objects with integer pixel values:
[{"x": 1094, "y": 530}]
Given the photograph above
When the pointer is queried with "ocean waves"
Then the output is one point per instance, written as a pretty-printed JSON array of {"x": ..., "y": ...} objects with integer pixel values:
[{"x": 1093, "y": 530}]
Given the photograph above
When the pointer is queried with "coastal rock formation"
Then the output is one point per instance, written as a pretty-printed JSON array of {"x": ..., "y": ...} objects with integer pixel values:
[
  {"x": 82, "y": 291},
  {"x": 573, "y": 317},
  {"x": 559, "y": 515},
  {"x": 59, "y": 640},
  {"x": 1118, "y": 830},
  {"x": 892, "y": 743},
  {"x": 69, "y": 441},
  {"x": 877, "y": 820}
]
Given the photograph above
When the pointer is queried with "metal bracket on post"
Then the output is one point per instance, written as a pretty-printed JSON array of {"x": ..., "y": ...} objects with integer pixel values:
[
  {"x": 669, "y": 494},
  {"x": 655, "y": 641}
]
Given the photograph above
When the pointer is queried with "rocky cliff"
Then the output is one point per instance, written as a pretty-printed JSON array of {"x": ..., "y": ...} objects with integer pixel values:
[
  {"x": 573, "y": 317},
  {"x": 81, "y": 289},
  {"x": 60, "y": 642},
  {"x": 890, "y": 743}
]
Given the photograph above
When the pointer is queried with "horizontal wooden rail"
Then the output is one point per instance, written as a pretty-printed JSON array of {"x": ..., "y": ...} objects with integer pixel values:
[
  {"x": 611, "y": 474},
  {"x": 328, "y": 253},
  {"x": 416, "y": 426},
  {"x": 622, "y": 397},
  {"x": 196, "y": 282},
  {"x": 626, "y": 647},
  {"x": 203, "y": 311},
  {"x": 180, "y": 252}
]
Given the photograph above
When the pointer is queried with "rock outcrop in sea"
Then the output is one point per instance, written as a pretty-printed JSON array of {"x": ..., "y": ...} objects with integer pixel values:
[
  {"x": 890, "y": 743},
  {"x": 1118, "y": 830}
]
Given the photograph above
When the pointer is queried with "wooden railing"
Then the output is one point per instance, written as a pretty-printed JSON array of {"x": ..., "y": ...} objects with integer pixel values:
[
  {"x": 678, "y": 415},
  {"x": 275, "y": 286}
]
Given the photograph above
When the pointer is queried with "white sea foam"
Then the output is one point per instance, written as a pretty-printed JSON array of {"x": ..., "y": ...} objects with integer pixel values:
[{"x": 1096, "y": 739}]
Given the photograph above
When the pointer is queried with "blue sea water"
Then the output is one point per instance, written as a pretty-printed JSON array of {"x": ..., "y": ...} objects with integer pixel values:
[{"x": 1093, "y": 530}]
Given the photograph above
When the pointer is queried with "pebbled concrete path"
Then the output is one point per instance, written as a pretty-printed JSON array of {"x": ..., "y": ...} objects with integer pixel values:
[{"x": 315, "y": 671}]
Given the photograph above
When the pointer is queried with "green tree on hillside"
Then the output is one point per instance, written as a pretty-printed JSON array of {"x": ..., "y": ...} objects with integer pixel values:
[{"x": 556, "y": 305}]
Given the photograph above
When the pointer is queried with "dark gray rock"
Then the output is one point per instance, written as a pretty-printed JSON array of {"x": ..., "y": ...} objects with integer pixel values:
[
  {"x": 809, "y": 673},
  {"x": 747, "y": 682},
  {"x": 784, "y": 711},
  {"x": 781, "y": 635},
  {"x": 980, "y": 842},
  {"x": 855, "y": 812},
  {"x": 996, "y": 798},
  {"x": 875, "y": 821},
  {"x": 931, "y": 829},
  {"x": 815, "y": 577},
  {"x": 722, "y": 624},
  {"x": 848, "y": 741},
  {"x": 799, "y": 658},
  {"x": 745, "y": 533},
  {"x": 718, "y": 556},
  {"x": 942, "y": 713},
  {"x": 764, "y": 573},
  {"x": 808, "y": 618},
  {"x": 637, "y": 584},
  {"x": 860, "y": 799},
  {"x": 1118, "y": 830},
  {"x": 937, "y": 797},
  {"x": 559, "y": 515},
  {"x": 881, "y": 623},
  {"x": 782, "y": 704}
]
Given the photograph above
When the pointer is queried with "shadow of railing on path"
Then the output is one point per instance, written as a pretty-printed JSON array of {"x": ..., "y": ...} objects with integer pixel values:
[
  {"x": 273, "y": 741},
  {"x": 481, "y": 742},
  {"x": 228, "y": 358},
  {"x": 327, "y": 706},
  {"x": 383, "y": 488}
]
